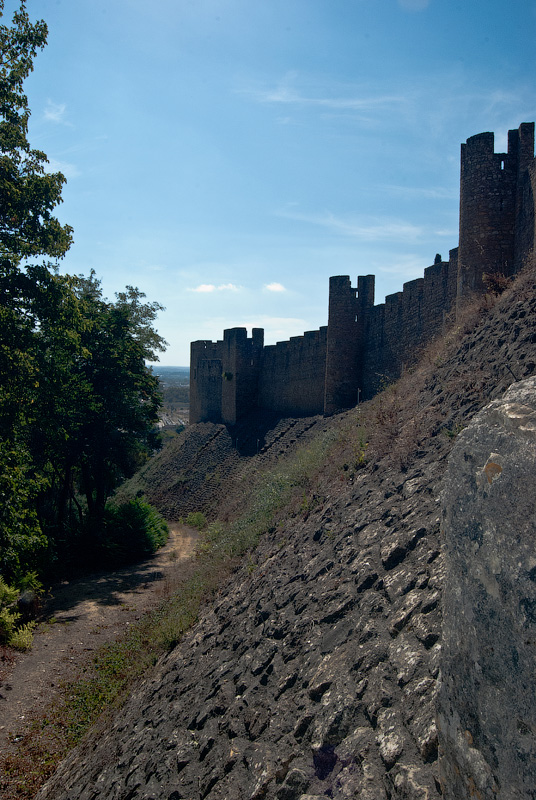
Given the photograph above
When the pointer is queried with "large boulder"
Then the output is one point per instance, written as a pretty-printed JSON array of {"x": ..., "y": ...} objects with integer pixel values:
[{"x": 487, "y": 699}]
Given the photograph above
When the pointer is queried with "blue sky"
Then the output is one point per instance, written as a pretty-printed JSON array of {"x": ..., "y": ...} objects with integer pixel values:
[{"x": 228, "y": 156}]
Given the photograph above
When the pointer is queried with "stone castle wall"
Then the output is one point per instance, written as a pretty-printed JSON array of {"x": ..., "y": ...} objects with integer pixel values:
[
  {"x": 292, "y": 374},
  {"x": 366, "y": 345},
  {"x": 396, "y": 330}
]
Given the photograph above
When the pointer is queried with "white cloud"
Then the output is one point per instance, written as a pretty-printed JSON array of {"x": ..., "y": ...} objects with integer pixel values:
[
  {"x": 274, "y": 287},
  {"x": 205, "y": 288},
  {"x": 228, "y": 287}
]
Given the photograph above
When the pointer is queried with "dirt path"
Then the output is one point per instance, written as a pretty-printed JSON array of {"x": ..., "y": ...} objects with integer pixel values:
[{"x": 79, "y": 617}]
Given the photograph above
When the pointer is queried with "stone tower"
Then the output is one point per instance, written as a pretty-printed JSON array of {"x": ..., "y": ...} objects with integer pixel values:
[
  {"x": 490, "y": 199},
  {"x": 346, "y": 325}
]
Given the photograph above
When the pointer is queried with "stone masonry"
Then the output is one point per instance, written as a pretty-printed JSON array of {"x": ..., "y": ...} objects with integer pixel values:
[{"x": 365, "y": 346}]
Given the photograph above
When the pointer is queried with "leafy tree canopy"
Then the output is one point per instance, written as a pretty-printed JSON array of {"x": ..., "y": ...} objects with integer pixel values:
[
  {"x": 78, "y": 405},
  {"x": 29, "y": 194}
]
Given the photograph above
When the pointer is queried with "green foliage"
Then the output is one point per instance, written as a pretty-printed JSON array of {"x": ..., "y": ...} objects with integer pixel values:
[
  {"x": 8, "y": 621},
  {"x": 119, "y": 665},
  {"x": 29, "y": 194},
  {"x": 82, "y": 419},
  {"x": 196, "y": 519},
  {"x": 11, "y": 632},
  {"x": 131, "y": 532},
  {"x": 8, "y": 595},
  {"x": 22, "y": 637},
  {"x": 269, "y": 495},
  {"x": 22, "y": 543},
  {"x": 453, "y": 431},
  {"x": 78, "y": 406},
  {"x": 30, "y": 582},
  {"x": 175, "y": 396}
]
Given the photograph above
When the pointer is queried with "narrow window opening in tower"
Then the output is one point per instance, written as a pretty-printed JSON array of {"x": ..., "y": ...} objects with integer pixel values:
[
  {"x": 356, "y": 318},
  {"x": 502, "y": 163}
]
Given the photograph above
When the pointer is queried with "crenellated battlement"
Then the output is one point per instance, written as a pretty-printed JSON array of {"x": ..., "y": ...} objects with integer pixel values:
[{"x": 364, "y": 345}]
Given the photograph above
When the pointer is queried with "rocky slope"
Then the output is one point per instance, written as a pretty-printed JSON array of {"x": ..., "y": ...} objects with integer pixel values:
[{"x": 314, "y": 673}]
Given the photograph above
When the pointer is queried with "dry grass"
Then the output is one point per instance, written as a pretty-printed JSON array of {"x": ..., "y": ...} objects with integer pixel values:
[
  {"x": 430, "y": 398},
  {"x": 393, "y": 425}
]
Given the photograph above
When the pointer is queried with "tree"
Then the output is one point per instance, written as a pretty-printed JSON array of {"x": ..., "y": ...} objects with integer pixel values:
[
  {"x": 122, "y": 394},
  {"x": 29, "y": 194},
  {"x": 78, "y": 405},
  {"x": 27, "y": 226}
]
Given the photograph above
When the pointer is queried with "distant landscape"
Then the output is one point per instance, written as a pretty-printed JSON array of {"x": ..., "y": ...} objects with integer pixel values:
[
  {"x": 170, "y": 377},
  {"x": 175, "y": 384}
]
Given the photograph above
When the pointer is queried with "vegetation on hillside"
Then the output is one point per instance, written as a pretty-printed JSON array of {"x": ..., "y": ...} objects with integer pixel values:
[
  {"x": 78, "y": 405},
  {"x": 392, "y": 428}
]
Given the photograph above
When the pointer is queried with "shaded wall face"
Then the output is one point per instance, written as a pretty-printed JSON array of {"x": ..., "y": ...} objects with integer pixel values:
[
  {"x": 342, "y": 376},
  {"x": 525, "y": 222},
  {"x": 205, "y": 382},
  {"x": 488, "y": 184},
  {"x": 292, "y": 377},
  {"x": 209, "y": 389},
  {"x": 241, "y": 361},
  {"x": 397, "y": 330}
]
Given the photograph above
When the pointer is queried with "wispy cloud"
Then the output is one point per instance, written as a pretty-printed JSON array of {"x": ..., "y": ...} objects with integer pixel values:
[
  {"x": 274, "y": 287},
  {"x": 371, "y": 229},
  {"x": 56, "y": 112},
  {"x": 285, "y": 95},
  {"x": 206, "y": 288},
  {"x": 294, "y": 91},
  {"x": 452, "y": 233},
  {"x": 405, "y": 266},
  {"x": 432, "y": 193},
  {"x": 69, "y": 170}
]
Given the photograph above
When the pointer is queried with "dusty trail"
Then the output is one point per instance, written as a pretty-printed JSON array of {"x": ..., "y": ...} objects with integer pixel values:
[{"x": 79, "y": 617}]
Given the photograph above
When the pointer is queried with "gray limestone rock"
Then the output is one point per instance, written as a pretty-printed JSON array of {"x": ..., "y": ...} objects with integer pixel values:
[{"x": 487, "y": 699}]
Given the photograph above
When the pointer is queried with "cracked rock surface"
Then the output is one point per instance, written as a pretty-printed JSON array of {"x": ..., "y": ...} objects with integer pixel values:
[{"x": 487, "y": 709}]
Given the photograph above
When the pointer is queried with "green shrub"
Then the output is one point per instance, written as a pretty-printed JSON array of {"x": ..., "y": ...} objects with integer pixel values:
[
  {"x": 131, "y": 532},
  {"x": 11, "y": 633},
  {"x": 196, "y": 519},
  {"x": 22, "y": 638},
  {"x": 8, "y": 621}
]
